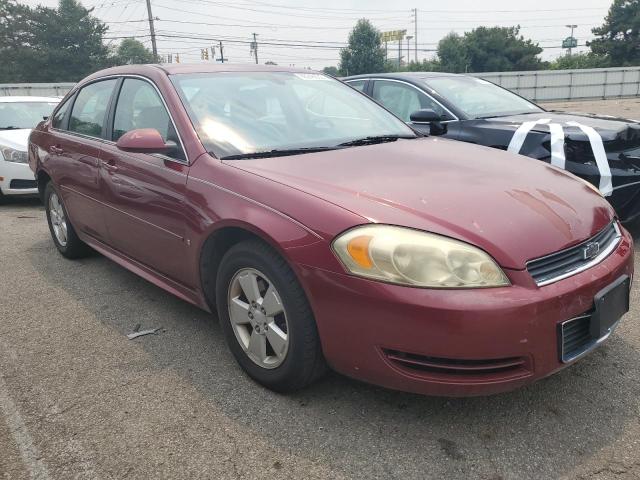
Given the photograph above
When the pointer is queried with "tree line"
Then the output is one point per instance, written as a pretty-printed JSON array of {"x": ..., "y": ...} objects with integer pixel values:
[
  {"x": 66, "y": 43},
  {"x": 63, "y": 44},
  {"x": 499, "y": 49}
]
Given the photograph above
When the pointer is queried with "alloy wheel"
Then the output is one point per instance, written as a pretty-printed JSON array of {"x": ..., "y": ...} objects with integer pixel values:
[
  {"x": 58, "y": 219},
  {"x": 258, "y": 318}
]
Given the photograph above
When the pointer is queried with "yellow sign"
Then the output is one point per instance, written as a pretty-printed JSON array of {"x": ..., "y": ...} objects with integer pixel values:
[{"x": 393, "y": 36}]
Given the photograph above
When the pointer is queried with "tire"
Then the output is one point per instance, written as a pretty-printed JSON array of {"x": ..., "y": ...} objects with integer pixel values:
[
  {"x": 72, "y": 247},
  {"x": 302, "y": 362}
]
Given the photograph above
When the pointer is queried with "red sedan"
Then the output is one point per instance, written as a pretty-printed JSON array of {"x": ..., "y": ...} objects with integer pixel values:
[{"x": 325, "y": 232}]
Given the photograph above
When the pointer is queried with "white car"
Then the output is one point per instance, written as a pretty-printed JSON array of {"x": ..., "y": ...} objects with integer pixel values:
[{"x": 18, "y": 115}]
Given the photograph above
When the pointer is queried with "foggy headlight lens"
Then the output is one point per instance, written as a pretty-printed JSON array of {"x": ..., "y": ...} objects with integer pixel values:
[
  {"x": 15, "y": 156},
  {"x": 420, "y": 259}
]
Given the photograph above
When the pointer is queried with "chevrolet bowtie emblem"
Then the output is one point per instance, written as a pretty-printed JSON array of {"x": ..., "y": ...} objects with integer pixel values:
[{"x": 590, "y": 250}]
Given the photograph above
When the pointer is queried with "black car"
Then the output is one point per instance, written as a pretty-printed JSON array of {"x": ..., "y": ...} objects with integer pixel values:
[{"x": 603, "y": 150}]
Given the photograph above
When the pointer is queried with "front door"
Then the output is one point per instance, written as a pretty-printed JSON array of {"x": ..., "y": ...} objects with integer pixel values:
[
  {"x": 146, "y": 192},
  {"x": 403, "y": 99}
]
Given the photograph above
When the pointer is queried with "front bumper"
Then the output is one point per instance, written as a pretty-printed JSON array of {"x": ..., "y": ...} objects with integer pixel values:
[
  {"x": 17, "y": 179},
  {"x": 452, "y": 342}
]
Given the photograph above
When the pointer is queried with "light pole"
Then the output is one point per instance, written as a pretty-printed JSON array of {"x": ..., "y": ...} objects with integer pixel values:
[
  {"x": 572, "y": 27},
  {"x": 409, "y": 37}
]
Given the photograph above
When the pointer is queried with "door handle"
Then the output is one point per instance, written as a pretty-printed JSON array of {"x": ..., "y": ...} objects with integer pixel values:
[
  {"x": 55, "y": 150},
  {"x": 110, "y": 167}
]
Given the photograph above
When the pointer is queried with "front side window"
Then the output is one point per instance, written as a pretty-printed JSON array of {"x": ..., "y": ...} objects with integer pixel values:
[
  {"x": 140, "y": 106},
  {"x": 358, "y": 84},
  {"x": 90, "y": 108},
  {"x": 23, "y": 115},
  {"x": 478, "y": 98},
  {"x": 403, "y": 99},
  {"x": 238, "y": 113}
]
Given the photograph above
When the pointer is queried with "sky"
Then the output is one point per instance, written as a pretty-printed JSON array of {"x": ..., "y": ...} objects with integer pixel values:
[{"x": 310, "y": 33}]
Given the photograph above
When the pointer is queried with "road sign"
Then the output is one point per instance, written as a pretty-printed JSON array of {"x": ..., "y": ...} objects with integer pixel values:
[
  {"x": 570, "y": 42},
  {"x": 393, "y": 36}
]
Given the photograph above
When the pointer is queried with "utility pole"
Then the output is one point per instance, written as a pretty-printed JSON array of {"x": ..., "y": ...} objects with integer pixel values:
[
  {"x": 414, "y": 14},
  {"x": 409, "y": 37},
  {"x": 254, "y": 46},
  {"x": 399, "y": 53},
  {"x": 572, "y": 27},
  {"x": 152, "y": 30},
  {"x": 221, "y": 53}
]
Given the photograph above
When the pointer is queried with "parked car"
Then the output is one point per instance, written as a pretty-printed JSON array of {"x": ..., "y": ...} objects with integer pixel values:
[
  {"x": 18, "y": 115},
  {"x": 602, "y": 150},
  {"x": 324, "y": 231}
]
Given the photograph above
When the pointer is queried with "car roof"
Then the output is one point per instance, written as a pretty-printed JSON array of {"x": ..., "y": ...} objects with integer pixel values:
[
  {"x": 411, "y": 76},
  {"x": 22, "y": 99},
  {"x": 185, "y": 68}
]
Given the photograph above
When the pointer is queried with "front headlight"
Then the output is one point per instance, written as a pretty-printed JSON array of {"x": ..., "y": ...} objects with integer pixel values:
[
  {"x": 420, "y": 259},
  {"x": 13, "y": 155}
]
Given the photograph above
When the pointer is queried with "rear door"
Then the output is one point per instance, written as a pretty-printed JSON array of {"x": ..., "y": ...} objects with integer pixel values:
[
  {"x": 77, "y": 138},
  {"x": 145, "y": 192}
]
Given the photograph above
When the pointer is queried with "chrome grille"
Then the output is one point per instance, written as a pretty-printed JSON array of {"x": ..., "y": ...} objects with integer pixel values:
[{"x": 576, "y": 259}]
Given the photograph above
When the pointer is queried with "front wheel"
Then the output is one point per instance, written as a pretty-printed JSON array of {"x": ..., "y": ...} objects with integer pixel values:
[
  {"x": 266, "y": 318},
  {"x": 64, "y": 236}
]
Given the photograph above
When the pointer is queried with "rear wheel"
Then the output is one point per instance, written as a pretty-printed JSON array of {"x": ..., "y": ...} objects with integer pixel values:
[
  {"x": 267, "y": 319},
  {"x": 64, "y": 236}
]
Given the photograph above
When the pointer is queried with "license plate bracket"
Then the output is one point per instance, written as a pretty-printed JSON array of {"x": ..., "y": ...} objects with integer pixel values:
[{"x": 611, "y": 303}]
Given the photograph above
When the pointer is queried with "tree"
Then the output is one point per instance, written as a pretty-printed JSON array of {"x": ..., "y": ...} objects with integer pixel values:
[
  {"x": 452, "y": 53},
  {"x": 42, "y": 44},
  {"x": 423, "y": 66},
  {"x": 579, "y": 60},
  {"x": 333, "y": 71},
  {"x": 131, "y": 51},
  {"x": 500, "y": 49},
  {"x": 619, "y": 36},
  {"x": 270, "y": 62},
  {"x": 364, "y": 53}
]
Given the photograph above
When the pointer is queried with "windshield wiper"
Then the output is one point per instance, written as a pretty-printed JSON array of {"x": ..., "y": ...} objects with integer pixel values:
[
  {"x": 372, "y": 140},
  {"x": 11, "y": 127},
  {"x": 277, "y": 153}
]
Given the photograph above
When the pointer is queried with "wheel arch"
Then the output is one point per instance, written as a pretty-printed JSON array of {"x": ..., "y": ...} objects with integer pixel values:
[
  {"x": 42, "y": 178},
  {"x": 226, "y": 234}
]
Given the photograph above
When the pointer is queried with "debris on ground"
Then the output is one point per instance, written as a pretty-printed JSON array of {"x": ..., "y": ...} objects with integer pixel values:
[{"x": 137, "y": 333}]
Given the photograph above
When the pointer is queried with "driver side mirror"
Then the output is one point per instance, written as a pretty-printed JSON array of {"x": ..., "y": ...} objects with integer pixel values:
[
  {"x": 145, "y": 140},
  {"x": 426, "y": 115}
]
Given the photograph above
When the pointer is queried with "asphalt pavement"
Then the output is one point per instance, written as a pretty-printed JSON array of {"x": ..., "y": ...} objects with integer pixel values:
[{"x": 78, "y": 400}]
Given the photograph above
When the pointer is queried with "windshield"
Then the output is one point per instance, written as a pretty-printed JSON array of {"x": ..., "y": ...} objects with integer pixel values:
[
  {"x": 478, "y": 98},
  {"x": 23, "y": 114},
  {"x": 242, "y": 113}
]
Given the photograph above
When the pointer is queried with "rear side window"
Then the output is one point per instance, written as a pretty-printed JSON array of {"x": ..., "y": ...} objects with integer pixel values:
[
  {"x": 58, "y": 118},
  {"x": 140, "y": 106},
  {"x": 90, "y": 108}
]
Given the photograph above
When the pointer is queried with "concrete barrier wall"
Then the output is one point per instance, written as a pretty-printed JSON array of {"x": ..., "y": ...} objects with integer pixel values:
[
  {"x": 543, "y": 85},
  {"x": 550, "y": 85},
  {"x": 35, "y": 89}
]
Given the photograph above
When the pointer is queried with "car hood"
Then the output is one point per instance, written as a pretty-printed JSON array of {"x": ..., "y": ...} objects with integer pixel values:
[
  {"x": 611, "y": 129},
  {"x": 16, "y": 139},
  {"x": 513, "y": 207}
]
